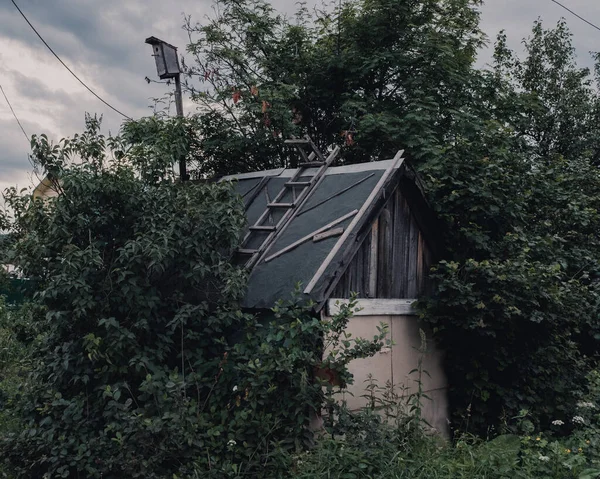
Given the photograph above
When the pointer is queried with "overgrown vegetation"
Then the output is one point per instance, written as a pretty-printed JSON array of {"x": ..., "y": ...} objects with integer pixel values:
[
  {"x": 509, "y": 155},
  {"x": 383, "y": 442},
  {"x": 145, "y": 365}
]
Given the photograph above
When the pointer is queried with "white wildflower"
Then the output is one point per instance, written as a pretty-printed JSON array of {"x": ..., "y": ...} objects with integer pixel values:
[
  {"x": 235, "y": 388},
  {"x": 578, "y": 420},
  {"x": 586, "y": 405},
  {"x": 231, "y": 443},
  {"x": 543, "y": 458},
  {"x": 557, "y": 422}
]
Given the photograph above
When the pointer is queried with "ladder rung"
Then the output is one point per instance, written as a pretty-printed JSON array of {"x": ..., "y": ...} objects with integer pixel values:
[
  {"x": 247, "y": 251},
  {"x": 280, "y": 205},
  {"x": 297, "y": 183},
  {"x": 263, "y": 228},
  {"x": 310, "y": 164}
]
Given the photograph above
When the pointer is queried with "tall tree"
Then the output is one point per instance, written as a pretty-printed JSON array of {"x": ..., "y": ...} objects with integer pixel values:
[
  {"x": 374, "y": 75},
  {"x": 518, "y": 188},
  {"x": 546, "y": 97}
]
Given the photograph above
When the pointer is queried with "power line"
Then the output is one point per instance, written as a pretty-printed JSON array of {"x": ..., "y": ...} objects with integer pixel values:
[
  {"x": 14, "y": 114},
  {"x": 20, "y": 126},
  {"x": 64, "y": 64},
  {"x": 578, "y": 16}
]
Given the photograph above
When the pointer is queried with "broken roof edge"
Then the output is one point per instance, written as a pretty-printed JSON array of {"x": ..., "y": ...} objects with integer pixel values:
[{"x": 358, "y": 221}]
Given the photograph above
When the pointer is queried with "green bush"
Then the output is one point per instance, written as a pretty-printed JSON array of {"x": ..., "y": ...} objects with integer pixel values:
[
  {"x": 519, "y": 288},
  {"x": 373, "y": 446},
  {"x": 18, "y": 337},
  {"x": 146, "y": 366}
]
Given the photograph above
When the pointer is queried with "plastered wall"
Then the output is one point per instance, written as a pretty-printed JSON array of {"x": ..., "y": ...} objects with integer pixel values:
[{"x": 394, "y": 365}]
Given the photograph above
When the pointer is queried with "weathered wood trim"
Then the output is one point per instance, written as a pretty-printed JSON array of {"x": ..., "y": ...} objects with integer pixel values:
[
  {"x": 289, "y": 172},
  {"x": 360, "y": 167},
  {"x": 310, "y": 236},
  {"x": 254, "y": 174},
  {"x": 374, "y": 251},
  {"x": 375, "y": 307},
  {"x": 420, "y": 262},
  {"x": 385, "y": 261},
  {"x": 293, "y": 212},
  {"x": 328, "y": 234},
  {"x": 398, "y": 160},
  {"x": 412, "y": 289}
]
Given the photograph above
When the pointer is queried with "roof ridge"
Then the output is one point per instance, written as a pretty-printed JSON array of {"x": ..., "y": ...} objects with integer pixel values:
[{"x": 332, "y": 170}]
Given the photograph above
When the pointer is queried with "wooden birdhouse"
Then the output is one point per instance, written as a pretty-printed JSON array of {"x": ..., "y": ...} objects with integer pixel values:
[{"x": 165, "y": 54}]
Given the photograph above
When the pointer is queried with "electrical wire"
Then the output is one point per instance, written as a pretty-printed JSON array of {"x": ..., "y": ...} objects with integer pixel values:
[
  {"x": 14, "y": 114},
  {"x": 578, "y": 16},
  {"x": 22, "y": 129},
  {"x": 65, "y": 65}
]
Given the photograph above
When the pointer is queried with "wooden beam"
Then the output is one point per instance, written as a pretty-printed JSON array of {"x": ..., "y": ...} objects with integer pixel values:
[
  {"x": 325, "y": 264},
  {"x": 301, "y": 200},
  {"x": 375, "y": 307},
  {"x": 310, "y": 236},
  {"x": 328, "y": 234},
  {"x": 373, "y": 259}
]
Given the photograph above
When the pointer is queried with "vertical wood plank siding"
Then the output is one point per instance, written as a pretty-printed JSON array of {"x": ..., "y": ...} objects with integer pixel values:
[{"x": 402, "y": 260}]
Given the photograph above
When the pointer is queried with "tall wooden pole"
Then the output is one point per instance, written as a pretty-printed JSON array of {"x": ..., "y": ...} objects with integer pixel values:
[
  {"x": 179, "y": 106},
  {"x": 167, "y": 66}
]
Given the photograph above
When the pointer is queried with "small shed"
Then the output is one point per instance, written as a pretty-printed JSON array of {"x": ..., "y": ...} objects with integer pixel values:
[{"x": 362, "y": 228}]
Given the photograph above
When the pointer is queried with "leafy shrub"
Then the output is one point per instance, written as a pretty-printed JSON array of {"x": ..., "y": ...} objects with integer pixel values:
[
  {"x": 518, "y": 289},
  {"x": 146, "y": 365},
  {"x": 376, "y": 448}
]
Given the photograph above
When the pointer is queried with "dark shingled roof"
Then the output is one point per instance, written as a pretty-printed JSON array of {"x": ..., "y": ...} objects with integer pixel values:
[{"x": 360, "y": 189}]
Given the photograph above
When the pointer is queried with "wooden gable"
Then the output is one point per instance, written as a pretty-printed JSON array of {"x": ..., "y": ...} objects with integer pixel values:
[
  {"x": 394, "y": 258},
  {"x": 357, "y": 228}
]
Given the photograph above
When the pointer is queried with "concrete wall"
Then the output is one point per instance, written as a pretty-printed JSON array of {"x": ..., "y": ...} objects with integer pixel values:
[{"x": 394, "y": 365}]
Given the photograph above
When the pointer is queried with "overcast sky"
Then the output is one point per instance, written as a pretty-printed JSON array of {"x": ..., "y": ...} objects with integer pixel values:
[{"x": 103, "y": 42}]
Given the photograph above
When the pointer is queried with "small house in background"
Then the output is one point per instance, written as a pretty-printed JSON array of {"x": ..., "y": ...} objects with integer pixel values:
[
  {"x": 362, "y": 228},
  {"x": 47, "y": 188}
]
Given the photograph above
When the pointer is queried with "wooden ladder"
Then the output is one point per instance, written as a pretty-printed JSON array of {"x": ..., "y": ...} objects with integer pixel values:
[{"x": 281, "y": 210}]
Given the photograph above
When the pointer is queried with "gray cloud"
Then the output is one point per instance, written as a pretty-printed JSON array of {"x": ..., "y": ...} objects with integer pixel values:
[
  {"x": 79, "y": 30},
  {"x": 105, "y": 34},
  {"x": 13, "y": 151},
  {"x": 104, "y": 43},
  {"x": 35, "y": 89},
  {"x": 516, "y": 18}
]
